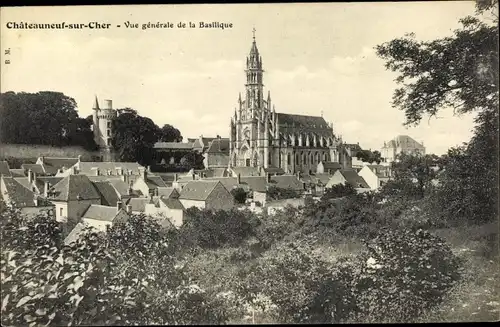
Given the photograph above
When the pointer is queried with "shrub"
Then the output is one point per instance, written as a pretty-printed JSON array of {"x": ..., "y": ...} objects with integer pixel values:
[
  {"x": 278, "y": 193},
  {"x": 239, "y": 195},
  {"x": 125, "y": 276},
  {"x": 402, "y": 274},
  {"x": 303, "y": 288}
]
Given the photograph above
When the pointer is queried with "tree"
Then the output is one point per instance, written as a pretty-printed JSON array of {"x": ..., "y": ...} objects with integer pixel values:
[
  {"x": 125, "y": 276},
  {"x": 239, "y": 194},
  {"x": 134, "y": 137},
  {"x": 461, "y": 72},
  {"x": 170, "y": 134},
  {"x": 46, "y": 117},
  {"x": 369, "y": 156},
  {"x": 192, "y": 160},
  {"x": 415, "y": 173}
]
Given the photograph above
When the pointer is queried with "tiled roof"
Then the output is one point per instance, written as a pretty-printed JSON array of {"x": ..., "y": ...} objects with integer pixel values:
[
  {"x": 255, "y": 183},
  {"x": 402, "y": 141},
  {"x": 168, "y": 192},
  {"x": 40, "y": 181},
  {"x": 301, "y": 121},
  {"x": 4, "y": 169},
  {"x": 332, "y": 165},
  {"x": 273, "y": 170},
  {"x": 109, "y": 196},
  {"x": 86, "y": 167},
  {"x": 219, "y": 146},
  {"x": 287, "y": 181},
  {"x": 120, "y": 186},
  {"x": 74, "y": 234},
  {"x": 246, "y": 171},
  {"x": 38, "y": 169},
  {"x": 323, "y": 178},
  {"x": 172, "y": 203},
  {"x": 353, "y": 178},
  {"x": 54, "y": 164},
  {"x": 24, "y": 181},
  {"x": 17, "y": 172},
  {"x": 198, "y": 190},
  {"x": 138, "y": 204},
  {"x": 228, "y": 182},
  {"x": 154, "y": 182},
  {"x": 21, "y": 196},
  {"x": 173, "y": 145},
  {"x": 74, "y": 187},
  {"x": 100, "y": 212}
]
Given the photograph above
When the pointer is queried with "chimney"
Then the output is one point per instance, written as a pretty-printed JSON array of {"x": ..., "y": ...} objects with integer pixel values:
[
  {"x": 96, "y": 171},
  {"x": 238, "y": 178},
  {"x": 108, "y": 104},
  {"x": 156, "y": 191},
  {"x": 119, "y": 205},
  {"x": 79, "y": 157},
  {"x": 30, "y": 176},
  {"x": 175, "y": 177},
  {"x": 46, "y": 189},
  {"x": 74, "y": 170},
  {"x": 268, "y": 177},
  {"x": 194, "y": 176},
  {"x": 36, "y": 201},
  {"x": 129, "y": 209},
  {"x": 129, "y": 190},
  {"x": 143, "y": 173},
  {"x": 149, "y": 169}
]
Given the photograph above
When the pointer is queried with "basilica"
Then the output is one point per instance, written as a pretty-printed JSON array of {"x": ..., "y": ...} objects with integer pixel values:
[{"x": 261, "y": 137}]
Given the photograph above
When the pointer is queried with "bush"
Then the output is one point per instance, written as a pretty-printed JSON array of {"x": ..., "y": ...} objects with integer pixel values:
[
  {"x": 212, "y": 229},
  {"x": 239, "y": 195},
  {"x": 401, "y": 275},
  {"x": 125, "y": 276},
  {"x": 303, "y": 288},
  {"x": 278, "y": 193}
]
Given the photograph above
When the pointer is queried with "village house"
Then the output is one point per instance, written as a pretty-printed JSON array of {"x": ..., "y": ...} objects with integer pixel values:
[
  {"x": 375, "y": 175},
  {"x": 72, "y": 196},
  {"x": 217, "y": 154},
  {"x": 328, "y": 167},
  {"x": 205, "y": 194},
  {"x": 166, "y": 208},
  {"x": 348, "y": 176},
  {"x": 96, "y": 168},
  {"x": 99, "y": 216},
  {"x": 28, "y": 202},
  {"x": 54, "y": 165},
  {"x": 147, "y": 183},
  {"x": 401, "y": 144}
]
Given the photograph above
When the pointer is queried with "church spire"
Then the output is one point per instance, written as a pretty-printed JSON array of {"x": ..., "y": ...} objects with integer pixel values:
[{"x": 96, "y": 103}]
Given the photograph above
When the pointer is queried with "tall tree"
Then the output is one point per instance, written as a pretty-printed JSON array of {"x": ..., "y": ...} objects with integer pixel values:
[
  {"x": 45, "y": 117},
  {"x": 170, "y": 134},
  {"x": 134, "y": 137},
  {"x": 461, "y": 72}
]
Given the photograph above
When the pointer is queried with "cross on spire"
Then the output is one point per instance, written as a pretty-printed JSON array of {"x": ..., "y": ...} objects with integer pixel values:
[{"x": 253, "y": 31}]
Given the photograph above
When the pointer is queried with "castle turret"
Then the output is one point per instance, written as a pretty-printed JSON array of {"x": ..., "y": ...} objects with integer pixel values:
[{"x": 103, "y": 130}]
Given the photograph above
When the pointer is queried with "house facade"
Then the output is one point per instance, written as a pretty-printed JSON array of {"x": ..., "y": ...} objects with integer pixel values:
[
  {"x": 401, "y": 144},
  {"x": 206, "y": 195}
]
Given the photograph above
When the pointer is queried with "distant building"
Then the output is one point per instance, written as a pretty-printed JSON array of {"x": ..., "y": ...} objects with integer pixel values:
[
  {"x": 401, "y": 144},
  {"x": 261, "y": 137},
  {"x": 375, "y": 175},
  {"x": 348, "y": 176},
  {"x": 103, "y": 128},
  {"x": 28, "y": 202},
  {"x": 206, "y": 195}
]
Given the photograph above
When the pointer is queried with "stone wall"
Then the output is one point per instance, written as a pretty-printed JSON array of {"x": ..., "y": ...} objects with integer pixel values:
[{"x": 22, "y": 151}]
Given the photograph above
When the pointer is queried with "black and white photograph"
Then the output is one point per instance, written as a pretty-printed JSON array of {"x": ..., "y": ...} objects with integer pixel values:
[{"x": 270, "y": 163}]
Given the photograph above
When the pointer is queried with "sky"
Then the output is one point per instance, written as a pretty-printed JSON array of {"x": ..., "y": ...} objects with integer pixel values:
[{"x": 319, "y": 59}]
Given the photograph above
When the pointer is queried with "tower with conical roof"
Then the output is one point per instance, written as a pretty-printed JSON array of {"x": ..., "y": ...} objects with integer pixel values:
[{"x": 103, "y": 128}]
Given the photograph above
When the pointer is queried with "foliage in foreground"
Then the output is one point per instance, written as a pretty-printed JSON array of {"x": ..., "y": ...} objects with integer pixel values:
[{"x": 99, "y": 279}]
